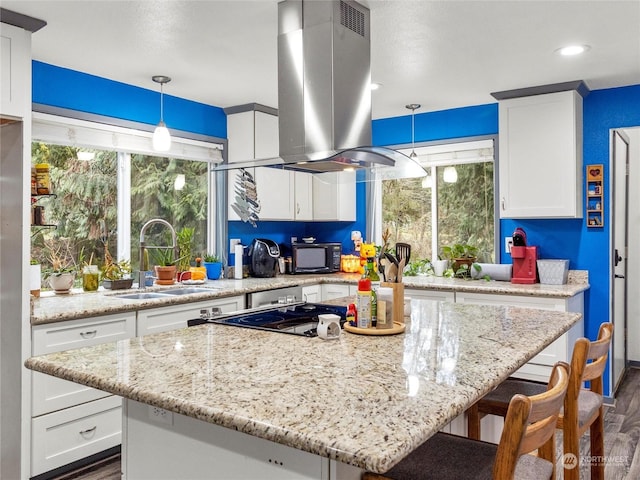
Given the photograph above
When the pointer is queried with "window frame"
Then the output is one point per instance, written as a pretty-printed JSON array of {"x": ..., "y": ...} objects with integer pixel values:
[
  {"x": 77, "y": 129},
  {"x": 374, "y": 191}
]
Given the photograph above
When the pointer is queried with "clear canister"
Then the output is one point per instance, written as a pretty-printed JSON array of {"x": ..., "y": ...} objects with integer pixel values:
[
  {"x": 90, "y": 277},
  {"x": 385, "y": 307}
]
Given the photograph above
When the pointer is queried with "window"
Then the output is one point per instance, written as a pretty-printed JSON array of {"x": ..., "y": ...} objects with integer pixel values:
[
  {"x": 453, "y": 204},
  {"x": 103, "y": 196}
]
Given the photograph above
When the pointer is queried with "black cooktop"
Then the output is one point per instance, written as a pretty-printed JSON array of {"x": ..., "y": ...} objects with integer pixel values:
[{"x": 298, "y": 319}]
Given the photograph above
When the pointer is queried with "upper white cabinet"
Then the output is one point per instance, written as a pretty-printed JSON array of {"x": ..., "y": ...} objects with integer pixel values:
[
  {"x": 334, "y": 196},
  {"x": 303, "y": 195},
  {"x": 254, "y": 135},
  {"x": 540, "y": 167},
  {"x": 15, "y": 70}
]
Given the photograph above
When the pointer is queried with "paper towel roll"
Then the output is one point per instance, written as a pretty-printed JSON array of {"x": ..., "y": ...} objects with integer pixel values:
[
  {"x": 495, "y": 271},
  {"x": 237, "y": 266}
]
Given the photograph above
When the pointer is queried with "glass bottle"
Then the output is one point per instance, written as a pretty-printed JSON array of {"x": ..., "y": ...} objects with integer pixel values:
[
  {"x": 363, "y": 301},
  {"x": 373, "y": 276}
]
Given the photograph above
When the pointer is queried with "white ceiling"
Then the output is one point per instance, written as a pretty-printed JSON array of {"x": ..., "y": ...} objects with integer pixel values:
[{"x": 441, "y": 54}]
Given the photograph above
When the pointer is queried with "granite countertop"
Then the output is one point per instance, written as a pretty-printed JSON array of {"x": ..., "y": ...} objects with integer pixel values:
[
  {"x": 51, "y": 308},
  {"x": 364, "y": 400}
]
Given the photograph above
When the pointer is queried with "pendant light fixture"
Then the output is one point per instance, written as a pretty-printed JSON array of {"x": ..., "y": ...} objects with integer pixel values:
[
  {"x": 450, "y": 174},
  {"x": 161, "y": 136},
  {"x": 413, "y": 107}
]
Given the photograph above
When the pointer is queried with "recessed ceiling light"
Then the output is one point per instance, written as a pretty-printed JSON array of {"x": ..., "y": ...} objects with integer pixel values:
[
  {"x": 570, "y": 50},
  {"x": 375, "y": 86}
]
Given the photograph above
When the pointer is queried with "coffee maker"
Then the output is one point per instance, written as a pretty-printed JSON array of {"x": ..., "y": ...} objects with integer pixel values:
[{"x": 524, "y": 259}]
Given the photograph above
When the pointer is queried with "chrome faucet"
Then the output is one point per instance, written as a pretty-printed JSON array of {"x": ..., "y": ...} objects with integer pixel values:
[{"x": 143, "y": 246}]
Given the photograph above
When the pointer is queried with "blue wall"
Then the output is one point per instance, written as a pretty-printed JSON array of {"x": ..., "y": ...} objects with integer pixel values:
[
  {"x": 61, "y": 87},
  {"x": 282, "y": 232}
]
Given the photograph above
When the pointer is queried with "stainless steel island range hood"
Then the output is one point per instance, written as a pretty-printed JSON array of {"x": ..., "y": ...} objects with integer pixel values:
[{"x": 324, "y": 93}]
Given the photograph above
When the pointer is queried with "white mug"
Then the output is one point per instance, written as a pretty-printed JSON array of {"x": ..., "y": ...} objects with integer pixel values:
[{"x": 328, "y": 326}]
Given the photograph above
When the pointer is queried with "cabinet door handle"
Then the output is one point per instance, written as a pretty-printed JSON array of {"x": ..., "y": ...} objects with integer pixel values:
[
  {"x": 502, "y": 203},
  {"x": 89, "y": 334},
  {"x": 88, "y": 431}
]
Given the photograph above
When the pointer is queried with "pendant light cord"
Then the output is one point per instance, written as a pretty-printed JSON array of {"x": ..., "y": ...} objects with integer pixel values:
[
  {"x": 162, "y": 102},
  {"x": 413, "y": 107}
]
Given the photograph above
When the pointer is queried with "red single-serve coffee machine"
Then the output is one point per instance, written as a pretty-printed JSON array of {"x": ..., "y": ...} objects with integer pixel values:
[{"x": 524, "y": 259}]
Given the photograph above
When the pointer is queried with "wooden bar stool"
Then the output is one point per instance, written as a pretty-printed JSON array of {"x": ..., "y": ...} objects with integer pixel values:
[
  {"x": 583, "y": 409},
  {"x": 529, "y": 425}
]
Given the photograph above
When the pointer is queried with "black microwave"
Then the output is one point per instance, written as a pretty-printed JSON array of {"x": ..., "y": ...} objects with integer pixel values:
[{"x": 315, "y": 257}]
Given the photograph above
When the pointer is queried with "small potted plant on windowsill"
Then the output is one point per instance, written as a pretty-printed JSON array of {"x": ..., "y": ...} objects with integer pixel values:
[
  {"x": 460, "y": 256},
  {"x": 213, "y": 265},
  {"x": 165, "y": 267},
  {"x": 117, "y": 276},
  {"x": 62, "y": 273}
]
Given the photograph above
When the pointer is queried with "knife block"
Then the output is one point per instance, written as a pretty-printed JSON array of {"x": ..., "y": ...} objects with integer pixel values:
[{"x": 398, "y": 300}]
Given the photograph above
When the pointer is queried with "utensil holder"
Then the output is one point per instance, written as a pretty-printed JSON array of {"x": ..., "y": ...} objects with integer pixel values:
[{"x": 398, "y": 300}]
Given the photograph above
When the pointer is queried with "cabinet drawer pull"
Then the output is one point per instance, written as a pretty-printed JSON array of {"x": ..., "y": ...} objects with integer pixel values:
[
  {"x": 89, "y": 334},
  {"x": 88, "y": 431}
]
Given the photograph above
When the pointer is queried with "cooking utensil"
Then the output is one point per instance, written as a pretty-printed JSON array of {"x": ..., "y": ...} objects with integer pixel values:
[
  {"x": 401, "y": 265},
  {"x": 391, "y": 258},
  {"x": 403, "y": 251},
  {"x": 382, "y": 263},
  {"x": 392, "y": 273}
]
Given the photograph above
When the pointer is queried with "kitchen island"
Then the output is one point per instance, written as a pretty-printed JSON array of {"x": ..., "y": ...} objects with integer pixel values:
[{"x": 221, "y": 401}]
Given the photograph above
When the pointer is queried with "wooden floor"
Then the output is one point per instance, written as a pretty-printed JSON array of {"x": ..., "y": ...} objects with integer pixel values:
[{"x": 622, "y": 430}]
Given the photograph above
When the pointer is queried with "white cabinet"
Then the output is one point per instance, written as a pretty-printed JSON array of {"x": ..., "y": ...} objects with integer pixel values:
[
  {"x": 275, "y": 193},
  {"x": 15, "y": 70},
  {"x": 311, "y": 293},
  {"x": 538, "y": 368},
  {"x": 254, "y": 135},
  {"x": 540, "y": 165},
  {"x": 303, "y": 194},
  {"x": 172, "y": 317},
  {"x": 73, "y": 433},
  {"x": 191, "y": 448},
  {"x": 438, "y": 295},
  {"x": 338, "y": 290},
  {"x": 334, "y": 196},
  {"x": 71, "y": 421}
]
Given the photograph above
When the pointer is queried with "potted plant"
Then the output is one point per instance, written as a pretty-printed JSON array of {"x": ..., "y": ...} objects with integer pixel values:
[
  {"x": 62, "y": 273},
  {"x": 166, "y": 265},
  {"x": 184, "y": 238},
  {"x": 460, "y": 256},
  {"x": 213, "y": 265},
  {"x": 117, "y": 275}
]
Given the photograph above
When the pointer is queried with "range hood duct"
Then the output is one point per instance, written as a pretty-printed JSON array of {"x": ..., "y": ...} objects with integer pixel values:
[{"x": 324, "y": 93}]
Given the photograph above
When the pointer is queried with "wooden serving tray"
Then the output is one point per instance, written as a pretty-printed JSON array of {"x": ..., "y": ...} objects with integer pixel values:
[{"x": 397, "y": 328}]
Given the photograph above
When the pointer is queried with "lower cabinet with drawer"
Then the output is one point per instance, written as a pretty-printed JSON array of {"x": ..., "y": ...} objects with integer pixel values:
[
  {"x": 71, "y": 421},
  {"x": 172, "y": 317},
  {"x": 68, "y": 435}
]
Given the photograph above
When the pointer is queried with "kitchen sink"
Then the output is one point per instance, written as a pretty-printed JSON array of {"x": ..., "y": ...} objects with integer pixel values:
[
  {"x": 141, "y": 295},
  {"x": 187, "y": 291}
]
